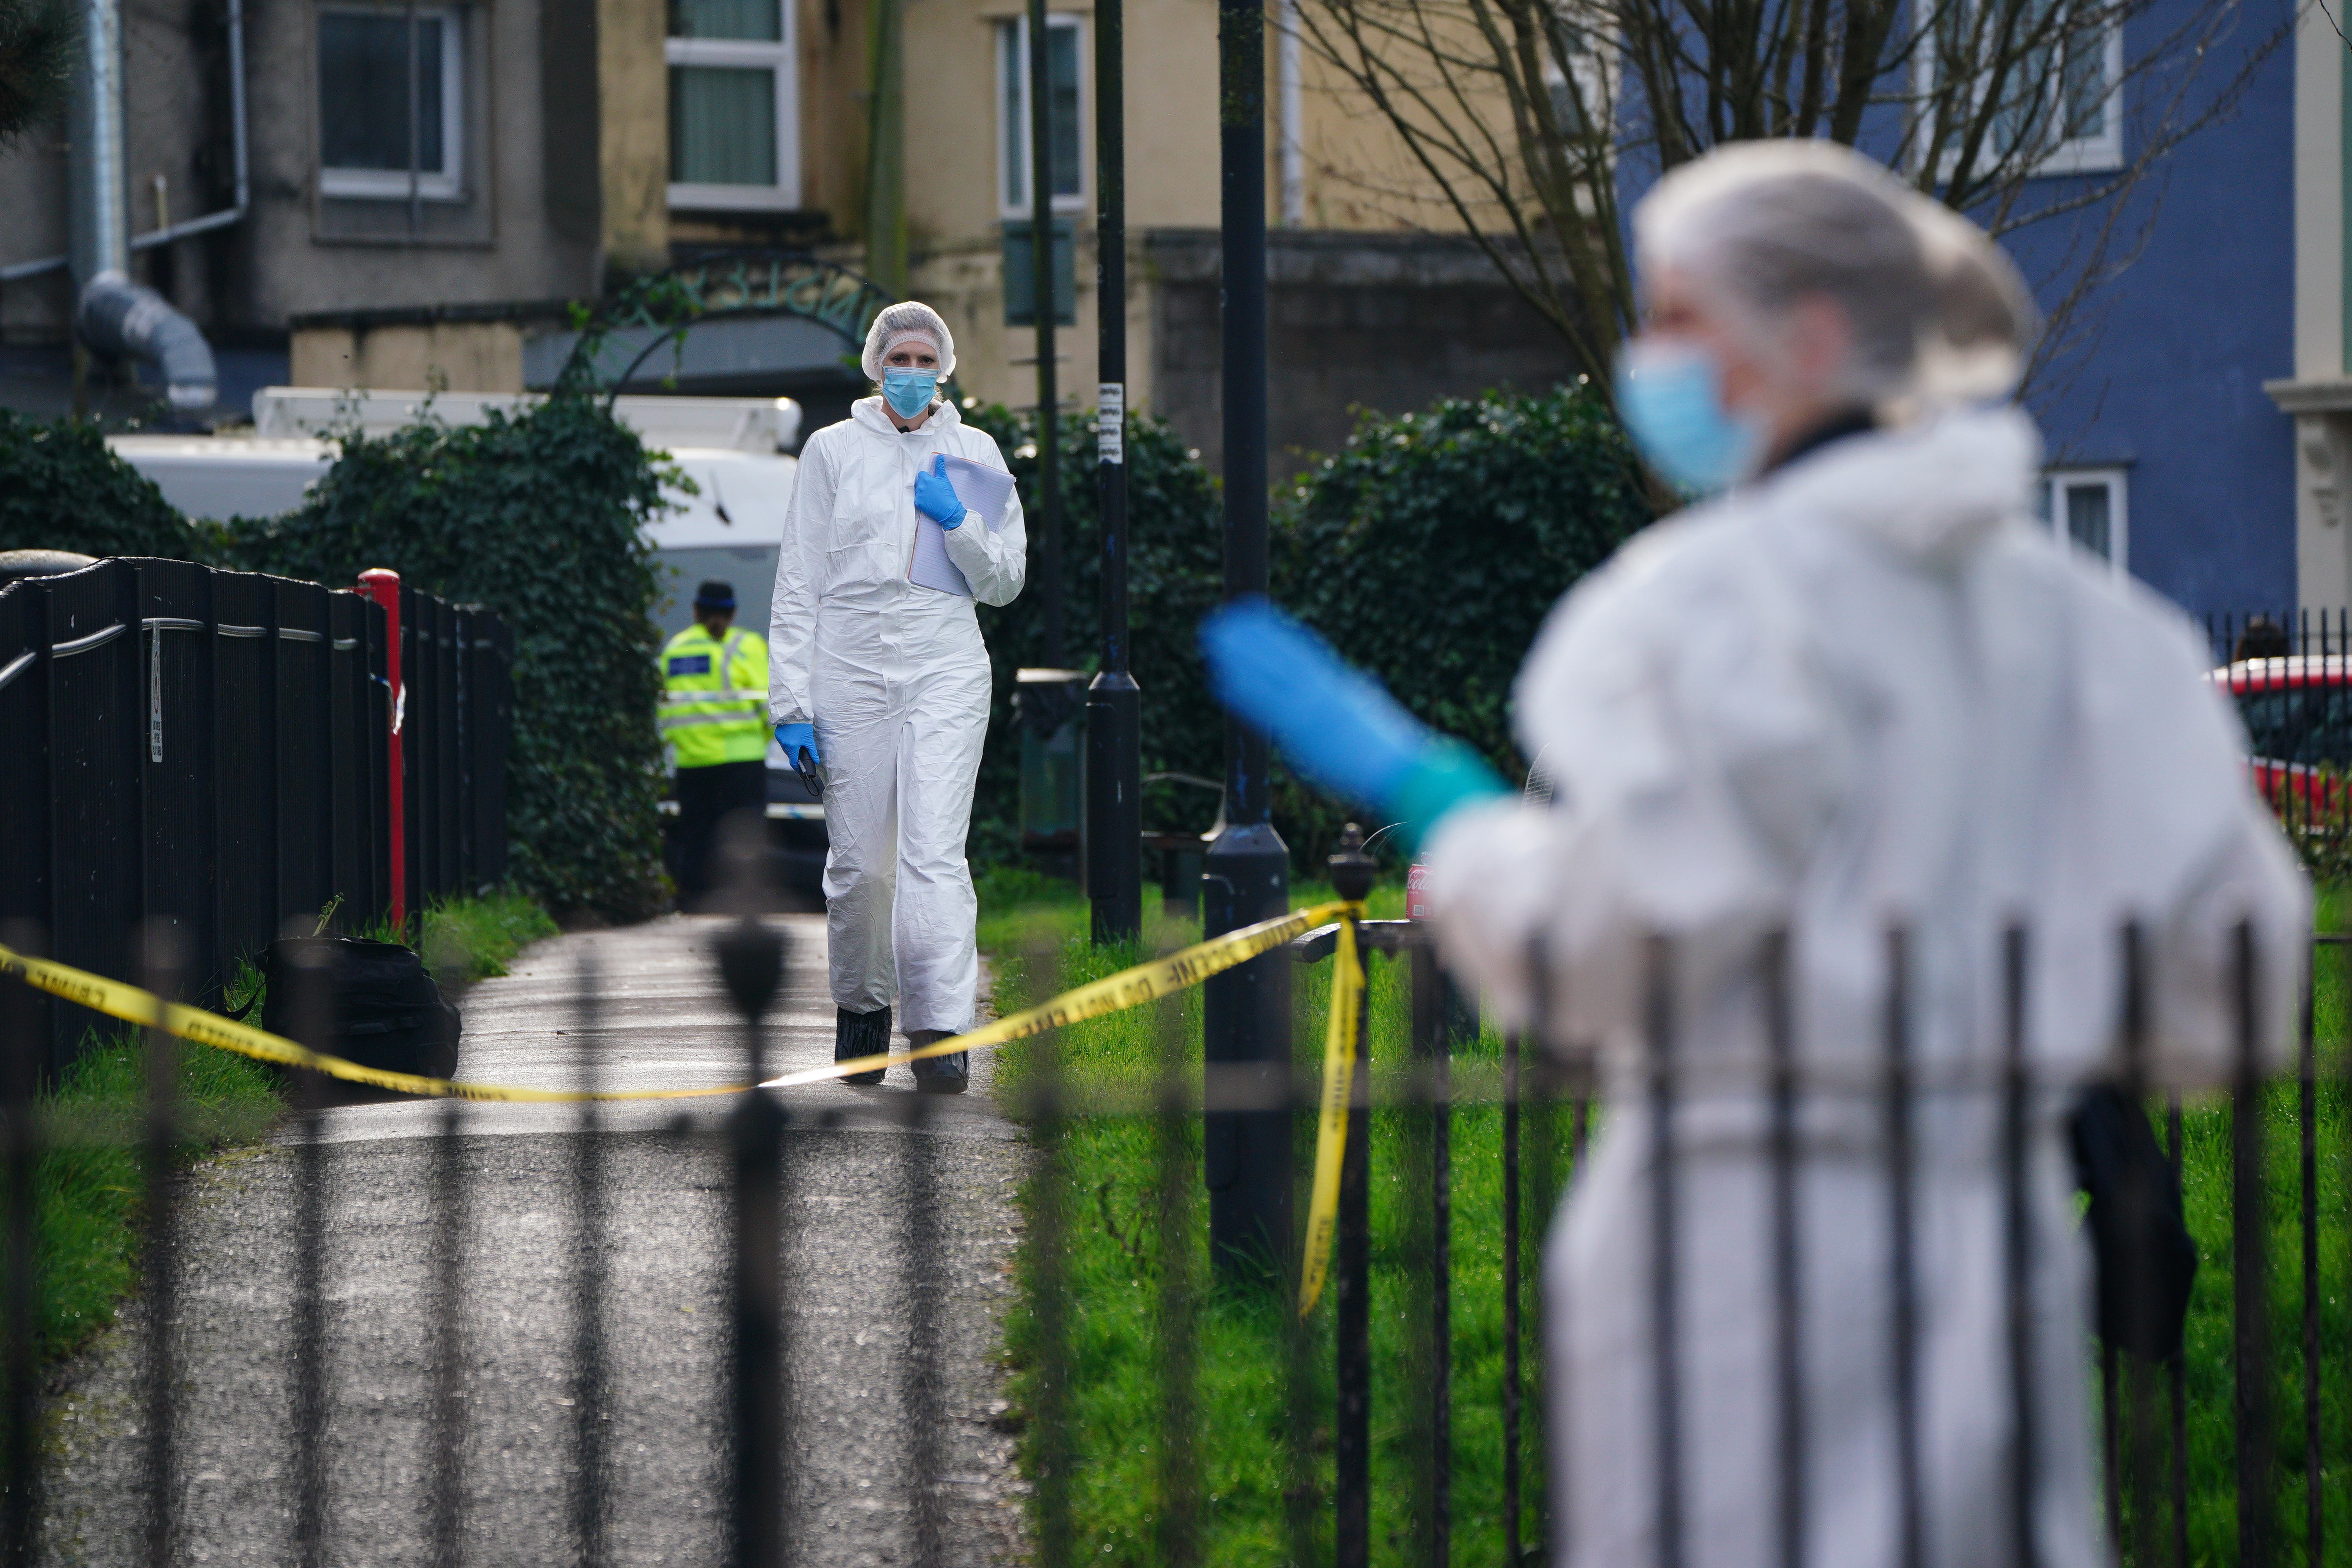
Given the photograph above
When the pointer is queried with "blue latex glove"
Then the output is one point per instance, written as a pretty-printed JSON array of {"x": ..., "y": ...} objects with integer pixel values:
[
  {"x": 793, "y": 737},
  {"x": 935, "y": 497},
  {"x": 1334, "y": 724}
]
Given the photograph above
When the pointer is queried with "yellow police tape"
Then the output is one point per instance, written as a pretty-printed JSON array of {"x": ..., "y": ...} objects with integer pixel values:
[
  {"x": 1331, "y": 1133},
  {"x": 133, "y": 1006},
  {"x": 1112, "y": 993},
  {"x": 1128, "y": 988}
]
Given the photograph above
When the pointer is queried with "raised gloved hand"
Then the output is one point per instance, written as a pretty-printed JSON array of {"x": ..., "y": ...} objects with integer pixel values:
[
  {"x": 935, "y": 497},
  {"x": 794, "y": 738},
  {"x": 1334, "y": 724}
]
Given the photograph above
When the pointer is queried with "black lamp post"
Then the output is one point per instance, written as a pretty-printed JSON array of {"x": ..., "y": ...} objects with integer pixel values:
[
  {"x": 1114, "y": 702},
  {"x": 1247, "y": 878},
  {"x": 1041, "y": 253}
]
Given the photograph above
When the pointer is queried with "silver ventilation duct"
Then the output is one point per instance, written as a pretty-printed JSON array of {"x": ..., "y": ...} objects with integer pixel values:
[
  {"x": 117, "y": 318},
  {"x": 114, "y": 316}
]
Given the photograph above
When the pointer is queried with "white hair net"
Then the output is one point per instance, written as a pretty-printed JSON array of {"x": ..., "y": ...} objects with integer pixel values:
[
  {"x": 909, "y": 318},
  {"x": 1938, "y": 312}
]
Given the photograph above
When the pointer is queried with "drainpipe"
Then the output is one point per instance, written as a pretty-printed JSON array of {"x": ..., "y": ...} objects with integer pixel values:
[
  {"x": 98, "y": 220},
  {"x": 1294, "y": 118},
  {"x": 167, "y": 233},
  {"x": 112, "y": 315},
  {"x": 104, "y": 61}
]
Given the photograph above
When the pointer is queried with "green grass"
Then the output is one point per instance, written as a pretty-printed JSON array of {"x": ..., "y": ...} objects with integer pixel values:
[
  {"x": 467, "y": 939},
  {"x": 1034, "y": 934},
  {"x": 2206, "y": 1184},
  {"x": 90, "y": 1184},
  {"x": 1114, "y": 1268}
]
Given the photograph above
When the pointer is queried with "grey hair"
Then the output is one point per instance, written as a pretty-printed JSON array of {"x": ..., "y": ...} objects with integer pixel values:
[{"x": 1938, "y": 312}]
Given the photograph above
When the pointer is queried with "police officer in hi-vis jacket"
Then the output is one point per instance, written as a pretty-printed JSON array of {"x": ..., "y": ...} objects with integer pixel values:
[{"x": 714, "y": 719}]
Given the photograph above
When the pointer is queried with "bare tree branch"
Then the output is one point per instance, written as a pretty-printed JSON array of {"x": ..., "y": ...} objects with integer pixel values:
[{"x": 1518, "y": 120}]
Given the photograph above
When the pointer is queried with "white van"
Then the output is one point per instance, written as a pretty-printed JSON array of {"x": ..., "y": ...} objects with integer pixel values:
[{"x": 735, "y": 450}]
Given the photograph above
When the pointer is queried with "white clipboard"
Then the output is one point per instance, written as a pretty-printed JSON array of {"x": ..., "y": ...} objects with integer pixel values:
[{"x": 983, "y": 490}]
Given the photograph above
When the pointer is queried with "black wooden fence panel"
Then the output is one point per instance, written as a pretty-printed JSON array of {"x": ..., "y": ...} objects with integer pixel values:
[
  {"x": 96, "y": 745},
  {"x": 305, "y": 752},
  {"x": 244, "y": 651},
  {"x": 209, "y": 749},
  {"x": 352, "y": 761},
  {"x": 183, "y": 855},
  {"x": 488, "y": 715},
  {"x": 448, "y": 854}
]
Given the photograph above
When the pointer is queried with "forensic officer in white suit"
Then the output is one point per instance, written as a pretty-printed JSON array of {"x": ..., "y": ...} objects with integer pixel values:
[
  {"x": 1858, "y": 689},
  {"x": 885, "y": 684}
]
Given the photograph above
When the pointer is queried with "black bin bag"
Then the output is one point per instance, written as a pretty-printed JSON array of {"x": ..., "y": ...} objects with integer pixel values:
[
  {"x": 388, "y": 1013},
  {"x": 2147, "y": 1258}
]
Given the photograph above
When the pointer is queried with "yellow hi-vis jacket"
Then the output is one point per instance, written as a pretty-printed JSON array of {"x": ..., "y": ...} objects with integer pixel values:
[{"x": 715, "y": 697}]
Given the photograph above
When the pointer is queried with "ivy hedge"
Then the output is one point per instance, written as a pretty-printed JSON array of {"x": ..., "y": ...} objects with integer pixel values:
[
  {"x": 1431, "y": 547},
  {"x": 539, "y": 516},
  {"x": 1428, "y": 550},
  {"x": 60, "y": 488},
  {"x": 1175, "y": 575}
]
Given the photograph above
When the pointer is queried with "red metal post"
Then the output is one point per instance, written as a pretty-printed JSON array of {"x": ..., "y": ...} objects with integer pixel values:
[{"x": 384, "y": 587}]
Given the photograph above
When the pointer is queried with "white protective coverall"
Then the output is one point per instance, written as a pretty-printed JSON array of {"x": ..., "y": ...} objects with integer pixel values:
[
  {"x": 896, "y": 679},
  {"x": 1865, "y": 687}
]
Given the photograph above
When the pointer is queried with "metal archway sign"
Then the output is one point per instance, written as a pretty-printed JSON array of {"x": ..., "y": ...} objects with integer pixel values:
[{"x": 729, "y": 284}]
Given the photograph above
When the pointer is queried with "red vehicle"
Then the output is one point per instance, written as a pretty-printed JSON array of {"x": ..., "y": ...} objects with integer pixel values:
[{"x": 2298, "y": 715}]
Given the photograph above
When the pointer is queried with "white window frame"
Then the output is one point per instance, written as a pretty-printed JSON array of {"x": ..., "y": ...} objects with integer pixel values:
[
  {"x": 393, "y": 185},
  {"x": 1013, "y": 34},
  {"x": 1593, "y": 81},
  {"x": 2117, "y": 482},
  {"x": 776, "y": 58},
  {"x": 2102, "y": 153}
]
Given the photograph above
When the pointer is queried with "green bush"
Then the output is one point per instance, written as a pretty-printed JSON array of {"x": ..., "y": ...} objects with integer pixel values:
[
  {"x": 1431, "y": 548},
  {"x": 60, "y": 488},
  {"x": 1175, "y": 573},
  {"x": 1428, "y": 551},
  {"x": 539, "y": 516}
]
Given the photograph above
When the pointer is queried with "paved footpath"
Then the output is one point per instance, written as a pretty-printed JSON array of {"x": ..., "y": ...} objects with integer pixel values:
[{"x": 663, "y": 1023}]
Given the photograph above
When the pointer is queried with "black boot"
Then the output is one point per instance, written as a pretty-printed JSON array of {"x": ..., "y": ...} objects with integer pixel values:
[
  {"x": 856, "y": 1035},
  {"x": 940, "y": 1075}
]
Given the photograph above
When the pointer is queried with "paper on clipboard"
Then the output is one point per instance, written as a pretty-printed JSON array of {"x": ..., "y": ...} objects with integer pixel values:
[{"x": 983, "y": 490}]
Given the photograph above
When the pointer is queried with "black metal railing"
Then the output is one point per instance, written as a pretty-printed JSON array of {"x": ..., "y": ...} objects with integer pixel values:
[
  {"x": 1431, "y": 1073},
  {"x": 2290, "y": 677},
  {"x": 209, "y": 752}
]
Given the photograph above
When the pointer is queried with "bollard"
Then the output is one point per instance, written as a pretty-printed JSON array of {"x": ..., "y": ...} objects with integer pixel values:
[
  {"x": 1245, "y": 1011},
  {"x": 384, "y": 587}
]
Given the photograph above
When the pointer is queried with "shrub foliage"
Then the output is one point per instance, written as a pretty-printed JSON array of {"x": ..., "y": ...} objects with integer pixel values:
[
  {"x": 539, "y": 516},
  {"x": 1428, "y": 551},
  {"x": 60, "y": 488},
  {"x": 1175, "y": 573}
]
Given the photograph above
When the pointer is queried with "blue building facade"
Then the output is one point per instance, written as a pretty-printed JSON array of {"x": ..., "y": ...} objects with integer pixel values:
[
  {"x": 2164, "y": 449},
  {"x": 2167, "y": 389}
]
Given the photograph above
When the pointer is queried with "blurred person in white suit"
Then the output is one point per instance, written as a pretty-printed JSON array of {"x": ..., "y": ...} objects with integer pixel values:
[{"x": 1856, "y": 688}]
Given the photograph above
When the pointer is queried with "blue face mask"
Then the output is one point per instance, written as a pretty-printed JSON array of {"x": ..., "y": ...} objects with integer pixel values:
[
  {"x": 908, "y": 392},
  {"x": 1670, "y": 395}
]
